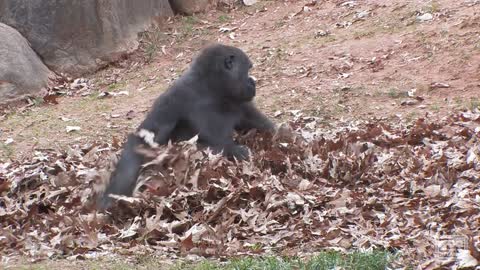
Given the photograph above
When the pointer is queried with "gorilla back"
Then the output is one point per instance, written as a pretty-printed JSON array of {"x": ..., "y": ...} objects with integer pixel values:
[{"x": 212, "y": 99}]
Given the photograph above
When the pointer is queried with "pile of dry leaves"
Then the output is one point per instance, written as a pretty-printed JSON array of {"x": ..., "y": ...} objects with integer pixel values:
[{"x": 412, "y": 189}]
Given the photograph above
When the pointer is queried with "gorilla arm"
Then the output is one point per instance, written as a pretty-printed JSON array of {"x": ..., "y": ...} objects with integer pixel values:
[
  {"x": 215, "y": 126},
  {"x": 252, "y": 118}
]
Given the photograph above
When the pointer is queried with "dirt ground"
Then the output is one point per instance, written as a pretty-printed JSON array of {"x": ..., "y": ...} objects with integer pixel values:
[{"x": 335, "y": 60}]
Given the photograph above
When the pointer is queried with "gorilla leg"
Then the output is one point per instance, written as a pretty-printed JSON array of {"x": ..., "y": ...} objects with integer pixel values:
[{"x": 124, "y": 177}]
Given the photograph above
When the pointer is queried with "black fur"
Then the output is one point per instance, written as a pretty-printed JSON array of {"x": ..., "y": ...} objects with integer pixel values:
[{"x": 211, "y": 99}]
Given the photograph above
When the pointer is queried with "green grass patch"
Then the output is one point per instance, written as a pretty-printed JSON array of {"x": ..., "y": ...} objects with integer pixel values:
[
  {"x": 323, "y": 261},
  {"x": 188, "y": 24},
  {"x": 432, "y": 7},
  {"x": 435, "y": 107},
  {"x": 326, "y": 260},
  {"x": 467, "y": 103},
  {"x": 477, "y": 46},
  {"x": 115, "y": 86},
  {"x": 395, "y": 93},
  {"x": 474, "y": 103},
  {"x": 325, "y": 40},
  {"x": 6, "y": 151},
  {"x": 364, "y": 34},
  {"x": 152, "y": 42},
  {"x": 224, "y": 18}
]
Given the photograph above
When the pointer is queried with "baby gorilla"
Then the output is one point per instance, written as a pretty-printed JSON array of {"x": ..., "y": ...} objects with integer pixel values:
[{"x": 212, "y": 99}]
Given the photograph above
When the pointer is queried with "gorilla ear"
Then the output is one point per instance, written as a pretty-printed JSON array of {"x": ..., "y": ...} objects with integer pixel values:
[{"x": 229, "y": 62}]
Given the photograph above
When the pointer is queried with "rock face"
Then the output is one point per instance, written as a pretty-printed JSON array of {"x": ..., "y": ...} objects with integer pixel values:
[
  {"x": 21, "y": 70},
  {"x": 190, "y": 7},
  {"x": 79, "y": 36}
]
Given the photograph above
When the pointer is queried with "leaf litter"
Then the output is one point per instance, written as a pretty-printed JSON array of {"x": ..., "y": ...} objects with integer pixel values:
[{"x": 407, "y": 188}]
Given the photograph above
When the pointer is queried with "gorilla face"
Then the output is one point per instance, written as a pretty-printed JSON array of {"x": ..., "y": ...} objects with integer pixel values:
[{"x": 242, "y": 86}]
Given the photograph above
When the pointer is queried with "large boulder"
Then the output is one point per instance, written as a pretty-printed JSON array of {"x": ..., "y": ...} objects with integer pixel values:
[
  {"x": 190, "y": 7},
  {"x": 79, "y": 36},
  {"x": 21, "y": 70}
]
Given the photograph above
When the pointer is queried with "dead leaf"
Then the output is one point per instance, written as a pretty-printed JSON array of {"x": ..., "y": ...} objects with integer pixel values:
[
  {"x": 50, "y": 99},
  {"x": 73, "y": 128},
  {"x": 187, "y": 243}
]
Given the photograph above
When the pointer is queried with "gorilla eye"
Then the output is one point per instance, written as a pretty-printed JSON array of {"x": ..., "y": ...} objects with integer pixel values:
[{"x": 229, "y": 62}]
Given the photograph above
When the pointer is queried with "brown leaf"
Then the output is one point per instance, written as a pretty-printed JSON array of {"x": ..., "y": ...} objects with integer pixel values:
[
  {"x": 187, "y": 243},
  {"x": 50, "y": 99}
]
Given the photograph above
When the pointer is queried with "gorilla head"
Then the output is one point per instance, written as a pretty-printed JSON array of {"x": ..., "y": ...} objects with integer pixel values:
[{"x": 229, "y": 66}]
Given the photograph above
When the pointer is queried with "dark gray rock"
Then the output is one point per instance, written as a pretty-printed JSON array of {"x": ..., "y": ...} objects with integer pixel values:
[
  {"x": 79, "y": 36},
  {"x": 21, "y": 70},
  {"x": 190, "y": 7}
]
